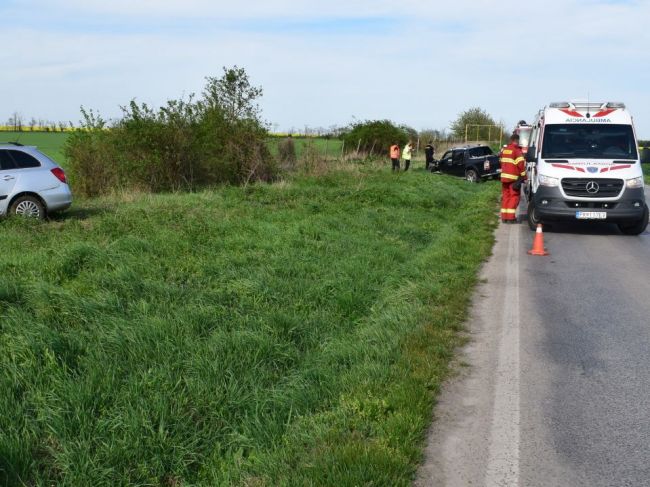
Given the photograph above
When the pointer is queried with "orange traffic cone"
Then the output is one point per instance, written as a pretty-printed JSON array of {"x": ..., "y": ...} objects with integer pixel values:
[{"x": 538, "y": 242}]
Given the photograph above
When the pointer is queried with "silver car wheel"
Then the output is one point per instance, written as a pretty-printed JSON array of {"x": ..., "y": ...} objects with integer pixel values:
[{"x": 28, "y": 208}]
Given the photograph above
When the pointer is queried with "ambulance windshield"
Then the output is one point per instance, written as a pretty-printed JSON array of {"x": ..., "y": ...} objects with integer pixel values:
[{"x": 589, "y": 141}]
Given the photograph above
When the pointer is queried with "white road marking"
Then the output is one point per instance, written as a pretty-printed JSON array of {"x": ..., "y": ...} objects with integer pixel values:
[{"x": 503, "y": 461}]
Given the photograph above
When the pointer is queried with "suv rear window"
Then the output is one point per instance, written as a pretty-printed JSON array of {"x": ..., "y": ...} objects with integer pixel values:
[
  {"x": 24, "y": 160},
  {"x": 480, "y": 151}
]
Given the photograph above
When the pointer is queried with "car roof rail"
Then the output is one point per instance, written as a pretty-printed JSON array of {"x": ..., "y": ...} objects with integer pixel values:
[{"x": 11, "y": 143}]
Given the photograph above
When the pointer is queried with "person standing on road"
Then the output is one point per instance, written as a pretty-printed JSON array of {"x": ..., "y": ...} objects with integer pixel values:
[
  {"x": 429, "y": 149},
  {"x": 407, "y": 153},
  {"x": 394, "y": 156},
  {"x": 513, "y": 173}
]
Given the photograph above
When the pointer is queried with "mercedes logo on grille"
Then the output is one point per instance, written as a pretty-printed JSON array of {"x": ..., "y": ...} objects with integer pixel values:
[{"x": 592, "y": 187}]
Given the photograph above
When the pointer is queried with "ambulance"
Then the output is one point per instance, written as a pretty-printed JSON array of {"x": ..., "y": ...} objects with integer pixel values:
[{"x": 583, "y": 165}]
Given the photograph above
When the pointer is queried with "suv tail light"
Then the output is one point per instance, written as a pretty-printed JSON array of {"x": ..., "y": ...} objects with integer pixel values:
[{"x": 60, "y": 175}]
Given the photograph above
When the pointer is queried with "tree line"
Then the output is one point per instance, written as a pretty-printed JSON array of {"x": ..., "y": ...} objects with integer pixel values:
[
  {"x": 18, "y": 123},
  {"x": 374, "y": 137},
  {"x": 216, "y": 137}
]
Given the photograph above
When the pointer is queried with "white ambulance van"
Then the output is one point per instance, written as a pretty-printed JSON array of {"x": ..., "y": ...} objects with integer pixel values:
[{"x": 583, "y": 164}]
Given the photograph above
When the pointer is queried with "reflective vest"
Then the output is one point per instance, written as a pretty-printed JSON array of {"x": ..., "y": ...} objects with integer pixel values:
[
  {"x": 513, "y": 164},
  {"x": 406, "y": 153},
  {"x": 394, "y": 151}
]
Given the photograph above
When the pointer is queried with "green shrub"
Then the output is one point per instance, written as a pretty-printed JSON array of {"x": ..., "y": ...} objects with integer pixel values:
[
  {"x": 287, "y": 152},
  {"x": 91, "y": 153},
  {"x": 312, "y": 161},
  {"x": 374, "y": 137},
  {"x": 184, "y": 145}
]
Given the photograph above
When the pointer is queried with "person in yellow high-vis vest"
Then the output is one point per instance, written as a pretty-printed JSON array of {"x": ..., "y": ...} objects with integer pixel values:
[{"x": 407, "y": 153}]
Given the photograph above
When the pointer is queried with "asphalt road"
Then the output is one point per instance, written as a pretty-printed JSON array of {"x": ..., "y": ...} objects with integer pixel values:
[{"x": 557, "y": 387}]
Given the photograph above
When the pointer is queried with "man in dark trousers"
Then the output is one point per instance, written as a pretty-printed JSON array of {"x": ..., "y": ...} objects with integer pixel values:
[
  {"x": 394, "y": 156},
  {"x": 513, "y": 172},
  {"x": 429, "y": 150}
]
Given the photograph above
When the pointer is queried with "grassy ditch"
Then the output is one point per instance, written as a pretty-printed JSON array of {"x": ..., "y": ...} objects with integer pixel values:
[
  {"x": 646, "y": 172},
  {"x": 285, "y": 334}
]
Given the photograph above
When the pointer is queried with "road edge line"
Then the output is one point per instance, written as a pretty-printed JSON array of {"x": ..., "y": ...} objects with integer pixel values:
[{"x": 503, "y": 460}]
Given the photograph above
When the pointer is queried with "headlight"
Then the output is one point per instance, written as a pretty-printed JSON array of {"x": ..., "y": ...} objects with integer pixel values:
[
  {"x": 635, "y": 183},
  {"x": 548, "y": 181}
]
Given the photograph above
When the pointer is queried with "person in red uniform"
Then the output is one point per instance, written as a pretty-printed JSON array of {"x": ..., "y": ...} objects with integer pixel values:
[{"x": 513, "y": 169}]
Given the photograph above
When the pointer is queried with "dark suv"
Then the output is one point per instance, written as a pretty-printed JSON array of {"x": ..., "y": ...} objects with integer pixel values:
[{"x": 473, "y": 163}]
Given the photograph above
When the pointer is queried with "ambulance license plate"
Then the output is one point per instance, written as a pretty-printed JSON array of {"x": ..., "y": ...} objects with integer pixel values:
[{"x": 591, "y": 215}]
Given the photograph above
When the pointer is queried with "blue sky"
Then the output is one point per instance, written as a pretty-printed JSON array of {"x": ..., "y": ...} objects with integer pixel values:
[{"x": 327, "y": 63}]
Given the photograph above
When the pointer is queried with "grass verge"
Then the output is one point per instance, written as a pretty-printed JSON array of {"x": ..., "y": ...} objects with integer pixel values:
[{"x": 286, "y": 334}]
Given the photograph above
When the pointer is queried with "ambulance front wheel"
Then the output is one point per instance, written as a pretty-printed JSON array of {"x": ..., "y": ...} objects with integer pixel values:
[
  {"x": 638, "y": 227},
  {"x": 533, "y": 216}
]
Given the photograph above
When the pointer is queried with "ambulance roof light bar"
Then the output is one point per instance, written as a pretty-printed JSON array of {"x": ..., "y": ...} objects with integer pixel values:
[{"x": 582, "y": 104}]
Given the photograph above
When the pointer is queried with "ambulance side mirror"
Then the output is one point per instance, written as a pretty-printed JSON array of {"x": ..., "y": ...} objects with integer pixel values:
[{"x": 531, "y": 155}]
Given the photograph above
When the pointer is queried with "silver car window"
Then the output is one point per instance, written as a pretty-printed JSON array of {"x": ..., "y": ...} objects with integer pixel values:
[
  {"x": 6, "y": 162},
  {"x": 24, "y": 160}
]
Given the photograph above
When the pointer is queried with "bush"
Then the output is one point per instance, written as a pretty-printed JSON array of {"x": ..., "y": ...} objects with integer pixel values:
[
  {"x": 287, "y": 153},
  {"x": 312, "y": 160},
  {"x": 184, "y": 145},
  {"x": 375, "y": 137},
  {"x": 91, "y": 156}
]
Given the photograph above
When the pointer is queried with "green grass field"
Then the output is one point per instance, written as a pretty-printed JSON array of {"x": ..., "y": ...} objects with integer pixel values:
[
  {"x": 330, "y": 148},
  {"x": 285, "y": 334},
  {"x": 52, "y": 143}
]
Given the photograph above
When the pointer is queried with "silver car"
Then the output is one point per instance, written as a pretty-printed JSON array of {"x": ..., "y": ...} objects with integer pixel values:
[{"x": 31, "y": 184}]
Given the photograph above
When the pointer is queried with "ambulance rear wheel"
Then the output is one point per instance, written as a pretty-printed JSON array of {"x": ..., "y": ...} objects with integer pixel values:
[{"x": 533, "y": 216}]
